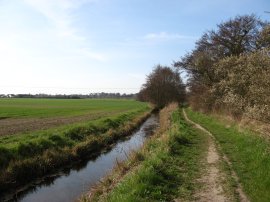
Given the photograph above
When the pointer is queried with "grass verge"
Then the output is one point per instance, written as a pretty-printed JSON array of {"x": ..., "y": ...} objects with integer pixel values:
[
  {"x": 248, "y": 153},
  {"x": 163, "y": 170}
]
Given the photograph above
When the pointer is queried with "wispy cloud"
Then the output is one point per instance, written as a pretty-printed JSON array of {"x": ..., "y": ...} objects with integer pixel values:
[
  {"x": 166, "y": 36},
  {"x": 158, "y": 38},
  {"x": 61, "y": 16},
  {"x": 59, "y": 13}
]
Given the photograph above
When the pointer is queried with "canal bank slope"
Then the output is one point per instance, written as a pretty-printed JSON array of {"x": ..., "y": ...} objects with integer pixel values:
[
  {"x": 166, "y": 168},
  {"x": 88, "y": 142},
  {"x": 179, "y": 163}
]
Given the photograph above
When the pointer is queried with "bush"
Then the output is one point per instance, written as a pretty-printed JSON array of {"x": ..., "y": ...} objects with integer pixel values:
[{"x": 244, "y": 87}]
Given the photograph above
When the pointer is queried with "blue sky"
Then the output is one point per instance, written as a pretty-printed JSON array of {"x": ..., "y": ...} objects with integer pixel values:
[{"x": 83, "y": 46}]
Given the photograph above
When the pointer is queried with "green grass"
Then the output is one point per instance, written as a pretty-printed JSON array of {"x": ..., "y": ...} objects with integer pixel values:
[
  {"x": 66, "y": 135},
  {"x": 94, "y": 126},
  {"x": 248, "y": 153},
  {"x": 44, "y": 108},
  {"x": 26, "y": 156},
  {"x": 168, "y": 168}
]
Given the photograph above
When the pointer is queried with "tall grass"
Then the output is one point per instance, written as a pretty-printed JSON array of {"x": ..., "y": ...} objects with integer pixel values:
[{"x": 248, "y": 153}]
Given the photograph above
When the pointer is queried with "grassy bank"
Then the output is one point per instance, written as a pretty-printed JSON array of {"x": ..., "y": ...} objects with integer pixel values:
[
  {"x": 28, "y": 156},
  {"x": 248, "y": 153},
  {"x": 163, "y": 170}
]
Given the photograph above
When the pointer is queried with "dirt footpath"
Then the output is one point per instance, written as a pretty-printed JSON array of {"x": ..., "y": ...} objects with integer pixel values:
[{"x": 213, "y": 189}]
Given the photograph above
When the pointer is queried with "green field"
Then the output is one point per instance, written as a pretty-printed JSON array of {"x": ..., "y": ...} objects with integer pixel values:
[
  {"x": 26, "y": 155},
  {"x": 41, "y": 108},
  {"x": 28, "y": 115}
]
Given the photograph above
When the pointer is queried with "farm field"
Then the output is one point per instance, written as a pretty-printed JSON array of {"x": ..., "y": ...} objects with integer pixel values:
[
  {"x": 53, "y": 133},
  {"x": 26, "y": 115},
  {"x": 44, "y": 108}
]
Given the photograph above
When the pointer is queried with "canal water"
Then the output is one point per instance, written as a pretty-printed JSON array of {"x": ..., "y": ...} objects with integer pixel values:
[{"x": 73, "y": 182}]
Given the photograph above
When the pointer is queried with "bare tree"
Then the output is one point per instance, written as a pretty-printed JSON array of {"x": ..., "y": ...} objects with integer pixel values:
[
  {"x": 163, "y": 85},
  {"x": 229, "y": 68},
  {"x": 233, "y": 37}
]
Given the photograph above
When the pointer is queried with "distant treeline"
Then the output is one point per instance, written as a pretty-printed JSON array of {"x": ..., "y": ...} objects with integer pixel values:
[
  {"x": 72, "y": 96},
  {"x": 229, "y": 69}
]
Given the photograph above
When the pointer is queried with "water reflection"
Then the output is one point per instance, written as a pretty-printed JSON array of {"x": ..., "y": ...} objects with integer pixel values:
[{"x": 71, "y": 183}]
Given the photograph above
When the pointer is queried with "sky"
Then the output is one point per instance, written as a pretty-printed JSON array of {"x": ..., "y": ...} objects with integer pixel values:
[{"x": 86, "y": 46}]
